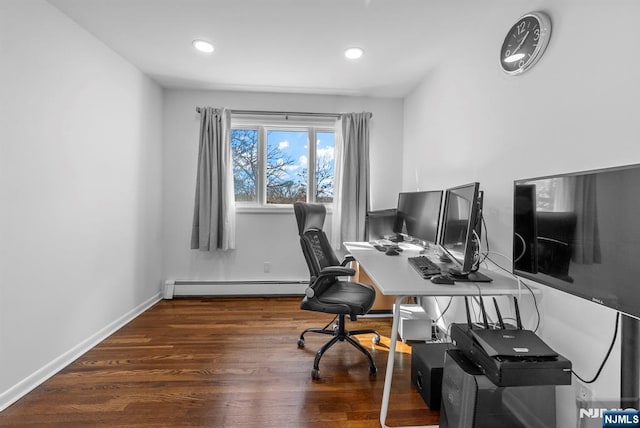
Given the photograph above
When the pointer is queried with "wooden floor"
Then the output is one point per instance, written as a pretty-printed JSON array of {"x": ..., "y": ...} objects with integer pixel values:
[{"x": 224, "y": 362}]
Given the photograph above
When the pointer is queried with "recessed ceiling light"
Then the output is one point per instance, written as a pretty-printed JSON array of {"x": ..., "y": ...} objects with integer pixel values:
[
  {"x": 353, "y": 53},
  {"x": 203, "y": 46}
]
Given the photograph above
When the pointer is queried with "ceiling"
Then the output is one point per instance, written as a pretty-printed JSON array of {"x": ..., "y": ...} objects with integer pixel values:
[{"x": 293, "y": 46}]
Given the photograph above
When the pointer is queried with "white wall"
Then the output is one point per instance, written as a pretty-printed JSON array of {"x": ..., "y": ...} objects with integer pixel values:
[
  {"x": 80, "y": 188},
  {"x": 576, "y": 109},
  {"x": 260, "y": 237}
]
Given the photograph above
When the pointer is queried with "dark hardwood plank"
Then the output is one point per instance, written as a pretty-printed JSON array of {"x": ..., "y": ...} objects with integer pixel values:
[{"x": 224, "y": 362}]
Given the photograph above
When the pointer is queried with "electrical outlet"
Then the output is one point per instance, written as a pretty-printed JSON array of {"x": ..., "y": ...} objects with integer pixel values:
[
  {"x": 583, "y": 393},
  {"x": 267, "y": 267}
]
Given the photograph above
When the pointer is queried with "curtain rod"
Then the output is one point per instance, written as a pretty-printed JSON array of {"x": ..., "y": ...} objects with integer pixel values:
[{"x": 281, "y": 113}]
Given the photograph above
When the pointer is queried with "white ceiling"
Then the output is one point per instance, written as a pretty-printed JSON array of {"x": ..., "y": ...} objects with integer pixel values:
[{"x": 275, "y": 45}]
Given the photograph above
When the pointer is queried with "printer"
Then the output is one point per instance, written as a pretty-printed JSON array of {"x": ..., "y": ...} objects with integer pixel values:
[
  {"x": 500, "y": 377},
  {"x": 510, "y": 356}
]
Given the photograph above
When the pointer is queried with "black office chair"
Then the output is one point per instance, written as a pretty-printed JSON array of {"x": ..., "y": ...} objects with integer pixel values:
[{"x": 326, "y": 291}]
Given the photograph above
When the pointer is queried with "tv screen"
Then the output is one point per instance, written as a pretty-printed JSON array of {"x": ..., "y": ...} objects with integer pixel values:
[
  {"x": 418, "y": 215},
  {"x": 580, "y": 233},
  {"x": 461, "y": 217}
]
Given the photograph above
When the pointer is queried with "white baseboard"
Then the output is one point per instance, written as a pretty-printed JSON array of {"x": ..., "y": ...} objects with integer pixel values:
[
  {"x": 178, "y": 288},
  {"x": 26, "y": 385}
]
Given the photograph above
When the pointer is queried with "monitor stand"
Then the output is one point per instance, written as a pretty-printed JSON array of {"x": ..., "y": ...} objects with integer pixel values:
[
  {"x": 629, "y": 366},
  {"x": 469, "y": 277}
]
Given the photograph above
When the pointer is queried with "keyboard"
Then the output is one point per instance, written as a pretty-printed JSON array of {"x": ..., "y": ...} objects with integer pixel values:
[{"x": 425, "y": 267}]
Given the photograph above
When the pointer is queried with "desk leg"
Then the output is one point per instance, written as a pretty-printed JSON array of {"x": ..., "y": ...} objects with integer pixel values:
[{"x": 386, "y": 392}]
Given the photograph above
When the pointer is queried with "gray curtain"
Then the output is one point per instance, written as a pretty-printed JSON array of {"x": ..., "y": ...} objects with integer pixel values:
[
  {"x": 352, "y": 178},
  {"x": 214, "y": 210}
]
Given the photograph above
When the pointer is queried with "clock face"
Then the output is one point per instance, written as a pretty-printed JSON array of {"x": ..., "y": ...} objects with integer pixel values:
[{"x": 525, "y": 42}]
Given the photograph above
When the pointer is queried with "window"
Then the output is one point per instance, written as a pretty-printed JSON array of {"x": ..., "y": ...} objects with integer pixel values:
[
  {"x": 552, "y": 194},
  {"x": 274, "y": 164},
  {"x": 244, "y": 150}
]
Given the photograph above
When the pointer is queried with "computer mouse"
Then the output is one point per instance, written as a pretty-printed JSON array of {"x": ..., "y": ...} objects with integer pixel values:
[
  {"x": 442, "y": 279},
  {"x": 392, "y": 252}
]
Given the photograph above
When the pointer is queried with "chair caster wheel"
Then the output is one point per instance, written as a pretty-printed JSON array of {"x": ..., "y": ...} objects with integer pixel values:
[
  {"x": 315, "y": 374},
  {"x": 375, "y": 339},
  {"x": 300, "y": 343},
  {"x": 372, "y": 372}
]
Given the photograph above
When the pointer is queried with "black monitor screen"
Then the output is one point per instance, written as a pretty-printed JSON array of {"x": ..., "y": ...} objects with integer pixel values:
[
  {"x": 418, "y": 215},
  {"x": 461, "y": 218},
  {"x": 580, "y": 233}
]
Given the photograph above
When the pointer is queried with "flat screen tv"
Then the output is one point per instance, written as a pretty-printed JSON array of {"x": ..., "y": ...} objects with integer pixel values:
[
  {"x": 580, "y": 233},
  {"x": 418, "y": 215},
  {"x": 460, "y": 235}
]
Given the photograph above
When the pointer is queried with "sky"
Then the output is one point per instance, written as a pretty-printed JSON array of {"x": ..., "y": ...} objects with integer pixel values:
[{"x": 295, "y": 145}]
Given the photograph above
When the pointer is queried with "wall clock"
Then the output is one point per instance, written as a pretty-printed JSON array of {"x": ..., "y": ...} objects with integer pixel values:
[{"x": 525, "y": 43}]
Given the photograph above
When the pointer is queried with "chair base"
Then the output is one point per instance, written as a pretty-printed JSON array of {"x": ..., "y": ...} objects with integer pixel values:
[{"x": 340, "y": 334}]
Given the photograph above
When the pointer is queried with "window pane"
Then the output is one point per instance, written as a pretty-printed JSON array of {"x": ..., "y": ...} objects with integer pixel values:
[
  {"x": 244, "y": 150},
  {"x": 325, "y": 163},
  {"x": 287, "y": 166}
]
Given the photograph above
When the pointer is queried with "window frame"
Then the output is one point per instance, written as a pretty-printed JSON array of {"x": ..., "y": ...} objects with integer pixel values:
[{"x": 262, "y": 124}]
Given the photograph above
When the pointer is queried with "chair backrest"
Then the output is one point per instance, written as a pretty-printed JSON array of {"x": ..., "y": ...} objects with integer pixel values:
[{"x": 315, "y": 245}]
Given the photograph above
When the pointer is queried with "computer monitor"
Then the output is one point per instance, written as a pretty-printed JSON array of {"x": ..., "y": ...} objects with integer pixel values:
[
  {"x": 418, "y": 215},
  {"x": 460, "y": 235},
  {"x": 579, "y": 233}
]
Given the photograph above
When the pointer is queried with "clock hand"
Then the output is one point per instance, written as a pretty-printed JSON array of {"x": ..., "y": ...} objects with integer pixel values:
[{"x": 521, "y": 43}]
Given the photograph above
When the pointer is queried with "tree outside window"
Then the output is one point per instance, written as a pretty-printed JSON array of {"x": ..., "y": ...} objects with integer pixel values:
[
  {"x": 244, "y": 150},
  {"x": 287, "y": 166},
  {"x": 325, "y": 164}
]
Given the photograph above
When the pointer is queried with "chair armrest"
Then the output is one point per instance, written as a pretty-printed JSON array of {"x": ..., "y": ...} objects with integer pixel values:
[
  {"x": 348, "y": 259},
  {"x": 336, "y": 271},
  {"x": 328, "y": 272}
]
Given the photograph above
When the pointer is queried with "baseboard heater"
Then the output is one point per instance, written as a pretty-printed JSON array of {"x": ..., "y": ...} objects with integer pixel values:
[{"x": 185, "y": 288}]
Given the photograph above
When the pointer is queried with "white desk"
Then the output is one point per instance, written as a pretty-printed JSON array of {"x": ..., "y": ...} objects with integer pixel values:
[{"x": 393, "y": 275}]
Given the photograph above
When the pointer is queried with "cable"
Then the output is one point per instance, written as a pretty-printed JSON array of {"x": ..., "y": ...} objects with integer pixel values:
[
  {"x": 445, "y": 310},
  {"x": 447, "y": 332},
  {"x": 524, "y": 247},
  {"x": 476, "y": 254},
  {"x": 479, "y": 290},
  {"x": 486, "y": 257},
  {"x": 606, "y": 357},
  {"x": 486, "y": 240},
  {"x": 475, "y": 315},
  {"x": 486, "y": 232},
  {"x": 476, "y": 299},
  {"x": 478, "y": 261},
  {"x": 501, "y": 255},
  {"x": 435, "y": 322},
  {"x": 483, "y": 313},
  {"x": 535, "y": 301}
]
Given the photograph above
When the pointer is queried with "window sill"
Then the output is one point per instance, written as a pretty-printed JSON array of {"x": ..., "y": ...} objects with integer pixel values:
[{"x": 270, "y": 209}]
